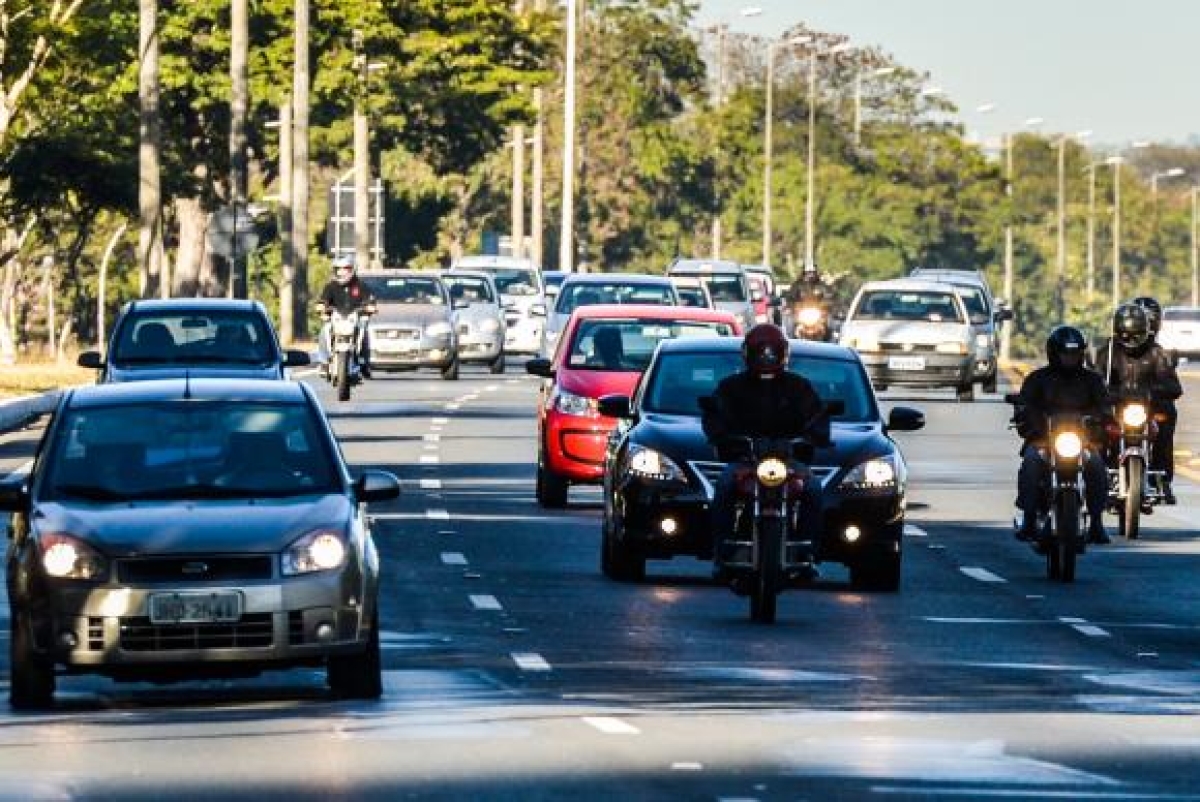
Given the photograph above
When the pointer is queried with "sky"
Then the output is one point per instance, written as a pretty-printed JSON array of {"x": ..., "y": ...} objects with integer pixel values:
[{"x": 1126, "y": 70}]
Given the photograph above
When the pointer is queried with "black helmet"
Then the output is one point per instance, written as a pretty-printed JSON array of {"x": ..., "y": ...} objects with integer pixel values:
[
  {"x": 1131, "y": 326},
  {"x": 1153, "y": 312},
  {"x": 765, "y": 350},
  {"x": 1065, "y": 348}
]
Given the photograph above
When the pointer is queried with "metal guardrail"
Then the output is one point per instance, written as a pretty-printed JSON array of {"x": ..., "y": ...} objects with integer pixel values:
[{"x": 16, "y": 412}]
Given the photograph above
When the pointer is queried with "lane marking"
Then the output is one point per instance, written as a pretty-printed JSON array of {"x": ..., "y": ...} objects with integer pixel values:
[
  {"x": 485, "y": 602},
  {"x": 440, "y": 421},
  {"x": 611, "y": 726},
  {"x": 437, "y": 515},
  {"x": 530, "y": 661},
  {"x": 432, "y": 438},
  {"x": 1081, "y": 625},
  {"x": 452, "y": 405},
  {"x": 431, "y": 446},
  {"x": 23, "y": 469},
  {"x": 917, "y": 791},
  {"x": 491, "y": 388},
  {"x": 431, "y": 484},
  {"x": 453, "y": 558},
  {"x": 685, "y": 765},
  {"x": 430, "y": 459},
  {"x": 981, "y": 574},
  {"x": 914, "y": 531}
]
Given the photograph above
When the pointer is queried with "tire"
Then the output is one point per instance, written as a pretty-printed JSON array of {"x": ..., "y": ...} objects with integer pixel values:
[
  {"x": 879, "y": 574},
  {"x": 551, "y": 489},
  {"x": 450, "y": 372},
  {"x": 358, "y": 676},
  {"x": 617, "y": 561},
  {"x": 1135, "y": 473},
  {"x": 1066, "y": 536},
  {"x": 965, "y": 393},
  {"x": 990, "y": 385},
  {"x": 343, "y": 376},
  {"x": 31, "y": 683},
  {"x": 497, "y": 365},
  {"x": 764, "y": 594}
]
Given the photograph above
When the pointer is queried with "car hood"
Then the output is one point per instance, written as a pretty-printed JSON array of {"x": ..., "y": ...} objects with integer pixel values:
[
  {"x": 178, "y": 371},
  {"x": 478, "y": 312},
  {"x": 682, "y": 439},
  {"x": 597, "y": 383},
  {"x": 195, "y": 527},
  {"x": 410, "y": 314},
  {"x": 916, "y": 332}
]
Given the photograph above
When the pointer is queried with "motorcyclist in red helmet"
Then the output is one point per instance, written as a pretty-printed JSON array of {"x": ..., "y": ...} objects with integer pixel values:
[{"x": 764, "y": 400}]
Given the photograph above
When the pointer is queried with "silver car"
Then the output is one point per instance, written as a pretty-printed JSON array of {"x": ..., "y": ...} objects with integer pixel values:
[
  {"x": 478, "y": 318},
  {"x": 414, "y": 325},
  {"x": 726, "y": 283},
  {"x": 591, "y": 289},
  {"x": 524, "y": 297}
]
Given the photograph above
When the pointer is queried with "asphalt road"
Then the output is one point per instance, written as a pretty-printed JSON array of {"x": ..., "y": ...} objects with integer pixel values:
[{"x": 514, "y": 670}]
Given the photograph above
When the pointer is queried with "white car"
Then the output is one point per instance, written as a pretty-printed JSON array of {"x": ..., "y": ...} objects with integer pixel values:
[
  {"x": 523, "y": 295},
  {"x": 1180, "y": 331}
]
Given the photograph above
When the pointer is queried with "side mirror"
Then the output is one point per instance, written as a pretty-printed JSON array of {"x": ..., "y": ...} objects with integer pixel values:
[
  {"x": 538, "y": 310},
  {"x": 540, "y": 367},
  {"x": 90, "y": 359},
  {"x": 905, "y": 419},
  {"x": 1004, "y": 314},
  {"x": 614, "y": 406},
  {"x": 296, "y": 359},
  {"x": 14, "y": 494},
  {"x": 376, "y": 486}
]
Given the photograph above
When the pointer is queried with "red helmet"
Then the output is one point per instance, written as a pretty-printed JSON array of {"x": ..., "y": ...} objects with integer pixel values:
[{"x": 765, "y": 350}]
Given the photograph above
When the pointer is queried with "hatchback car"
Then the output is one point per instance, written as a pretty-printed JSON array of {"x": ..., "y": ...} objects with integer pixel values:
[
  {"x": 1180, "y": 331},
  {"x": 478, "y": 317},
  {"x": 523, "y": 295},
  {"x": 414, "y": 325},
  {"x": 212, "y": 337},
  {"x": 604, "y": 350},
  {"x": 660, "y": 471},
  {"x": 986, "y": 313},
  {"x": 191, "y": 528},
  {"x": 590, "y": 289},
  {"x": 692, "y": 292},
  {"x": 726, "y": 283}
]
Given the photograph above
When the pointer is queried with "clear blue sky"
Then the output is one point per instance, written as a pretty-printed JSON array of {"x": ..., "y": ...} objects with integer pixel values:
[{"x": 1124, "y": 69}]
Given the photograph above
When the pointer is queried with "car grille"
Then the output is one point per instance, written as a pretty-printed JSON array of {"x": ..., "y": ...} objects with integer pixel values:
[
  {"x": 195, "y": 569},
  {"x": 252, "y": 631},
  {"x": 397, "y": 334},
  {"x": 908, "y": 347},
  {"x": 709, "y": 473}
]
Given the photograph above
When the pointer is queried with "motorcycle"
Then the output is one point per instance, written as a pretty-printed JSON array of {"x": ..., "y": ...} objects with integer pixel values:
[
  {"x": 346, "y": 332},
  {"x": 811, "y": 322},
  {"x": 1134, "y": 489}
]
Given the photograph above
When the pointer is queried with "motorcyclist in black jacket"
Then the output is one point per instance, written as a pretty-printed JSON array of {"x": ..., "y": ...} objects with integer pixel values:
[
  {"x": 764, "y": 400},
  {"x": 1065, "y": 385},
  {"x": 1133, "y": 364},
  {"x": 346, "y": 293}
]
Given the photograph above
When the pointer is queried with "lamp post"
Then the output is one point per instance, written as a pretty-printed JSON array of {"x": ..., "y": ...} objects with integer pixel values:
[
  {"x": 1091, "y": 229},
  {"x": 566, "y": 250},
  {"x": 1195, "y": 247},
  {"x": 362, "y": 156},
  {"x": 809, "y": 205},
  {"x": 1115, "y": 162},
  {"x": 858, "y": 85},
  {"x": 1060, "y": 298},
  {"x": 768, "y": 141}
]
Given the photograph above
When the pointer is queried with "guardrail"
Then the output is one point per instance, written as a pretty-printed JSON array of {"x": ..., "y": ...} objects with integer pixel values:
[{"x": 16, "y": 412}]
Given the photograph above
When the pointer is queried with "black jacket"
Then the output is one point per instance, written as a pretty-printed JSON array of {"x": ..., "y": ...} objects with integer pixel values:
[
  {"x": 745, "y": 405},
  {"x": 347, "y": 297},
  {"x": 1051, "y": 391},
  {"x": 1149, "y": 370}
]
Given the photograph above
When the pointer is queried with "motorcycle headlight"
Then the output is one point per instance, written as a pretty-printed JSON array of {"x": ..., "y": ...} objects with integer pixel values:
[
  {"x": 651, "y": 464},
  {"x": 1068, "y": 445},
  {"x": 572, "y": 404},
  {"x": 874, "y": 474},
  {"x": 1134, "y": 415},
  {"x": 344, "y": 326},
  {"x": 772, "y": 472},
  {"x": 490, "y": 325},
  {"x": 439, "y": 329},
  {"x": 67, "y": 557},
  {"x": 322, "y": 550},
  {"x": 809, "y": 316}
]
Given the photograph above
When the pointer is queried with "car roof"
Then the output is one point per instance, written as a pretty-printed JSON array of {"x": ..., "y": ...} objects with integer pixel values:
[
  {"x": 707, "y": 345},
  {"x": 451, "y": 275},
  {"x": 486, "y": 260},
  {"x": 206, "y": 304},
  {"x": 654, "y": 312},
  {"x": 949, "y": 275},
  {"x": 616, "y": 278},
  {"x": 705, "y": 266},
  {"x": 208, "y": 389},
  {"x": 911, "y": 284},
  {"x": 398, "y": 274}
]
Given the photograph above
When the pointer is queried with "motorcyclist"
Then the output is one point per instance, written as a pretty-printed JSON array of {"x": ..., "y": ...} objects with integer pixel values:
[
  {"x": 1064, "y": 385},
  {"x": 764, "y": 400},
  {"x": 346, "y": 293},
  {"x": 809, "y": 291},
  {"x": 1132, "y": 363}
]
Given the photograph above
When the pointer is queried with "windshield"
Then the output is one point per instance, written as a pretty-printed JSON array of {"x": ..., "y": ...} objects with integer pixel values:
[
  {"x": 679, "y": 381},
  {"x": 934, "y": 307},
  {"x": 574, "y": 295},
  {"x": 514, "y": 281},
  {"x": 189, "y": 449},
  {"x": 692, "y": 296},
  {"x": 1191, "y": 315},
  {"x": 405, "y": 289},
  {"x": 469, "y": 290},
  {"x": 727, "y": 289},
  {"x": 628, "y": 345},
  {"x": 184, "y": 336}
]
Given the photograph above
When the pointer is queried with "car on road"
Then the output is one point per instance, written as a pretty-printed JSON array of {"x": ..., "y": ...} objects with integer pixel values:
[
  {"x": 590, "y": 289},
  {"x": 726, "y": 282},
  {"x": 604, "y": 350},
  {"x": 986, "y": 313},
  {"x": 1180, "y": 331},
  {"x": 213, "y": 337},
  {"x": 913, "y": 333},
  {"x": 692, "y": 292},
  {"x": 762, "y": 293},
  {"x": 413, "y": 326},
  {"x": 553, "y": 279},
  {"x": 660, "y": 471},
  {"x": 523, "y": 296},
  {"x": 478, "y": 318},
  {"x": 192, "y": 528}
]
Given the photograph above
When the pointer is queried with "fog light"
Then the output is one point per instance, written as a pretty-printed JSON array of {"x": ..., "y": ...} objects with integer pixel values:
[
  {"x": 325, "y": 632},
  {"x": 852, "y": 534},
  {"x": 67, "y": 640},
  {"x": 669, "y": 526}
]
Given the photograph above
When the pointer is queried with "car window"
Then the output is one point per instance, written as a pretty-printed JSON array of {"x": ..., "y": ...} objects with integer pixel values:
[
  {"x": 975, "y": 302},
  {"x": 189, "y": 449},
  {"x": 1179, "y": 314},
  {"x": 691, "y": 296},
  {"x": 182, "y": 336},
  {"x": 728, "y": 289},
  {"x": 405, "y": 289},
  {"x": 935, "y": 307},
  {"x": 514, "y": 281},
  {"x": 679, "y": 380},
  {"x": 471, "y": 290},
  {"x": 573, "y": 295},
  {"x": 628, "y": 345}
]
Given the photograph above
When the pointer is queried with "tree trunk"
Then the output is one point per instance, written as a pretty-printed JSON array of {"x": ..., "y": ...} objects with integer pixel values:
[
  {"x": 150, "y": 239},
  {"x": 300, "y": 134},
  {"x": 13, "y": 242},
  {"x": 191, "y": 256},
  {"x": 238, "y": 113}
]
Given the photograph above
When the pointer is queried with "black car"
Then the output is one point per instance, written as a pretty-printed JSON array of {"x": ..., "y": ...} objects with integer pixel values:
[
  {"x": 660, "y": 471},
  {"x": 191, "y": 528},
  {"x": 204, "y": 337}
]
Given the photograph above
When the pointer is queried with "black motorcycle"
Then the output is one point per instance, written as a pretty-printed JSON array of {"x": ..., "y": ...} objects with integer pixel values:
[
  {"x": 1133, "y": 489},
  {"x": 811, "y": 322}
]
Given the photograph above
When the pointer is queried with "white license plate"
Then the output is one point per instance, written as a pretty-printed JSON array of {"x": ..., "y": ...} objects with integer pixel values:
[
  {"x": 394, "y": 347},
  {"x": 906, "y": 363},
  {"x": 195, "y": 608}
]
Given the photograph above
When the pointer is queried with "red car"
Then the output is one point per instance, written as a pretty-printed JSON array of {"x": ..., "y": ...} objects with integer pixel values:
[{"x": 603, "y": 351}]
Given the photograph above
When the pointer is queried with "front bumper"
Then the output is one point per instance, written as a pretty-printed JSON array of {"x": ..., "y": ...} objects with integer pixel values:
[
  {"x": 576, "y": 446},
  {"x": 524, "y": 335},
  {"x": 417, "y": 352},
  {"x": 475, "y": 346},
  {"x": 932, "y": 369}
]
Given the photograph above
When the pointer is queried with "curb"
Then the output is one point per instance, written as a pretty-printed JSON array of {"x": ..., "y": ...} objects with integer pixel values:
[{"x": 17, "y": 412}]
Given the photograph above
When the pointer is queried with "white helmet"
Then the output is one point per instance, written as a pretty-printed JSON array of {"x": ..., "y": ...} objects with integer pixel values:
[{"x": 343, "y": 269}]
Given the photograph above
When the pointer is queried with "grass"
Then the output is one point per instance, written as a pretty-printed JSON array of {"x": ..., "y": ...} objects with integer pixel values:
[{"x": 29, "y": 378}]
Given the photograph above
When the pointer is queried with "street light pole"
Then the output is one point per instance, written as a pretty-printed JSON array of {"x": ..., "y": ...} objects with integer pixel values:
[
  {"x": 1091, "y": 231},
  {"x": 518, "y": 176},
  {"x": 769, "y": 144},
  {"x": 1061, "y": 260},
  {"x": 1006, "y": 332},
  {"x": 809, "y": 250},
  {"x": 1195, "y": 248},
  {"x": 566, "y": 251}
]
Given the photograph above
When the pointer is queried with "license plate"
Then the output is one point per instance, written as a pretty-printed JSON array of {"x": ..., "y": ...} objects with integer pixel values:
[
  {"x": 906, "y": 363},
  {"x": 195, "y": 608},
  {"x": 393, "y": 347}
]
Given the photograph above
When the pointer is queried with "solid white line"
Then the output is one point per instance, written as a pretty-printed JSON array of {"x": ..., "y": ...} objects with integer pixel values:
[
  {"x": 484, "y": 602},
  {"x": 431, "y": 484},
  {"x": 684, "y": 765},
  {"x": 982, "y": 574},
  {"x": 1069, "y": 620},
  {"x": 452, "y": 406},
  {"x": 430, "y": 459},
  {"x": 440, "y": 421},
  {"x": 1091, "y": 631},
  {"x": 530, "y": 661},
  {"x": 453, "y": 558},
  {"x": 611, "y": 726},
  {"x": 914, "y": 531},
  {"x": 1040, "y": 793},
  {"x": 437, "y": 515}
]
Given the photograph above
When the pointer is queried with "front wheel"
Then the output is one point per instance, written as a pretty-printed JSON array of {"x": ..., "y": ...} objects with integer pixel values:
[
  {"x": 358, "y": 676},
  {"x": 1135, "y": 486},
  {"x": 343, "y": 375},
  {"x": 1064, "y": 548},
  {"x": 879, "y": 574},
  {"x": 450, "y": 372},
  {"x": 551, "y": 489},
  {"x": 965, "y": 393},
  {"x": 31, "y": 681},
  {"x": 617, "y": 560},
  {"x": 764, "y": 594},
  {"x": 497, "y": 366}
]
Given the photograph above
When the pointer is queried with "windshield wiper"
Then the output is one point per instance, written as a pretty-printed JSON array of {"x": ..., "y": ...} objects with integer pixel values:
[
  {"x": 91, "y": 492},
  {"x": 194, "y": 491},
  {"x": 217, "y": 359}
]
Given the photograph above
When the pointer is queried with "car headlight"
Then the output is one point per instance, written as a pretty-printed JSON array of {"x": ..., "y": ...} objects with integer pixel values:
[
  {"x": 983, "y": 341},
  {"x": 874, "y": 474},
  {"x": 862, "y": 344},
  {"x": 439, "y": 329},
  {"x": 1068, "y": 445},
  {"x": 571, "y": 404},
  {"x": 322, "y": 550},
  {"x": 772, "y": 472},
  {"x": 809, "y": 316},
  {"x": 67, "y": 557},
  {"x": 1134, "y": 415},
  {"x": 951, "y": 348},
  {"x": 489, "y": 326},
  {"x": 650, "y": 464}
]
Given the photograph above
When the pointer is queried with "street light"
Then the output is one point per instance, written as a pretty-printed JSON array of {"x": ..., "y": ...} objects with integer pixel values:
[
  {"x": 362, "y": 156},
  {"x": 1115, "y": 162},
  {"x": 809, "y": 207},
  {"x": 566, "y": 249},
  {"x": 1195, "y": 247},
  {"x": 1061, "y": 256},
  {"x": 768, "y": 140}
]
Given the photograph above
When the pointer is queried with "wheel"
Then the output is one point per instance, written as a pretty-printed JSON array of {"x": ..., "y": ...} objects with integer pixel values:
[
  {"x": 764, "y": 594},
  {"x": 617, "y": 561},
  {"x": 343, "y": 376},
  {"x": 965, "y": 393},
  {"x": 497, "y": 365},
  {"x": 358, "y": 676},
  {"x": 551, "y": 489},
  {"x": 1135, "y": 491},
  {"x": 450, "y": 372},
  {"x": 881, "y": 573},
  {"x": 31, "y": 683},
  {"x": 991, "y": 384},
  {"x": 1066, "y": 535}
]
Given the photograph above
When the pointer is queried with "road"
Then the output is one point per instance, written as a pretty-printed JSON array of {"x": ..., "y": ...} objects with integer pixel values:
[{"x": 514, "y": 670}]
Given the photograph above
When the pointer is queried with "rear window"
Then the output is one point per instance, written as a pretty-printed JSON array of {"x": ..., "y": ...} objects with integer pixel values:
[
  {"x": 1182, "y": 314},
  {"x": 933, "y": 307},
  {"x": 628, "y": 345},
  {"x": 183, "y": 336}
]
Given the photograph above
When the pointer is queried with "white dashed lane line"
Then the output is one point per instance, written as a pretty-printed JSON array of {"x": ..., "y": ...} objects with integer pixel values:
[
  {"x": 440, "y": 421},
  {"x": 1081, "y": 625},
  {"x": 453, "y": 558},
  {"x": 981, "y": 574},
  {"x": 530, "y": 661},
  {"x": 611, "y": 726},
  {"x": 432, "y": 438},
  {"x": 485, "y": 602},
  {"x": 437, "y": 515},
  {"x": 914, "y": 531},
  {"x": 430, "y": 459},
  {"x": 684, "y": 765},
  {"x": 431, "y": 484}
]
